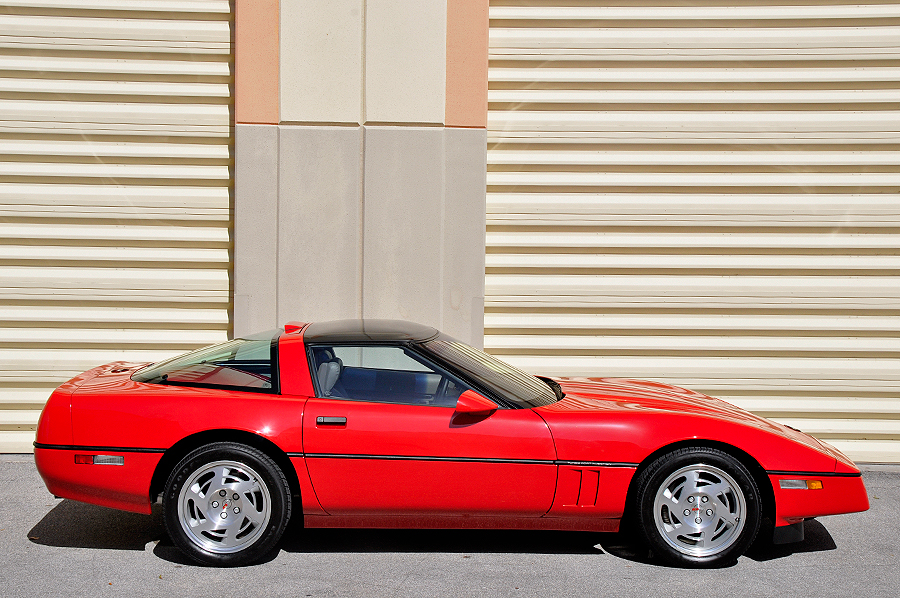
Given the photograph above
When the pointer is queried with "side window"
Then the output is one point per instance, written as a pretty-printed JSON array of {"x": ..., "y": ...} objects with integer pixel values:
[{"x": 383, "y": 374}]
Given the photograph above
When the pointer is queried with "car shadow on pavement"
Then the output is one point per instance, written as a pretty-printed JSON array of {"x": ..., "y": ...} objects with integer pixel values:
[
  {"x": 447, "y": 541},
  {"x": 816, "y": 539},
  {"x": 72, "y": 524},
  {"x": 318, "y": 541}
]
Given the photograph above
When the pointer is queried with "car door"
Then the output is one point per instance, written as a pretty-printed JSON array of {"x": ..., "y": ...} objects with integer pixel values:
[{"x": 386, "y": 441}]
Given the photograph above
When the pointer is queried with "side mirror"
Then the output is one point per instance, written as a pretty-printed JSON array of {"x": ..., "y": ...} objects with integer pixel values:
[{"x": 472, "y": 403}]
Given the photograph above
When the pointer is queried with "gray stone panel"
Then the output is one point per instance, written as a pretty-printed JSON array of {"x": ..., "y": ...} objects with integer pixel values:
[
  {"x": 465, "y": 155},
  {"x": 255, "y": 227},
  {"x": 319, "y": 223},
  {"x": 424, "y": 227},
  {"x": 403, "y": 229}
]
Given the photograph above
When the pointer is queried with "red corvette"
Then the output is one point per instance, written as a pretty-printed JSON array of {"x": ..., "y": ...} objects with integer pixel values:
[{"x": 378, "y": 423}]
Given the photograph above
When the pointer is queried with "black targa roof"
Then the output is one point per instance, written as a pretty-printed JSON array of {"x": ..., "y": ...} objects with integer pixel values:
[{"x": 351, "y": 331}]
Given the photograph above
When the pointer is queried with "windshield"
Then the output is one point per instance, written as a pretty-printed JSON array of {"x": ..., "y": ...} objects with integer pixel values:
[
  {"x": 508, "y": 382},
  {"x": 248, "y": 363}
]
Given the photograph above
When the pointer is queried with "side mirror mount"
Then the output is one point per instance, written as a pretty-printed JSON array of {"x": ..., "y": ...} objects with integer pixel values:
[{"x": 473, "y": 404}]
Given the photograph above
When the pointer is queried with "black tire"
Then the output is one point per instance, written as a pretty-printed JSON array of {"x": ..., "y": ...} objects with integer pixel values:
[
  {"x": 226, "y": 504},
  {"x": 697, "y": 507}
]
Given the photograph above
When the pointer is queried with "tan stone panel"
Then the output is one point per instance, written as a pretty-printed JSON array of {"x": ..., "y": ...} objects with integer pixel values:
[
  {"x": 467, "y": 63},
  {"x": 256, "y": 61}
]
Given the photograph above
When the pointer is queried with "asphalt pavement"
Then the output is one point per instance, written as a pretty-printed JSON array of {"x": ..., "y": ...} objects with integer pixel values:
[{"x": 52, "y": 547}]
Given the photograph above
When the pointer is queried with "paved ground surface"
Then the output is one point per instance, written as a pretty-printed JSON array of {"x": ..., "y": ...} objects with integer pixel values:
[{"x": 51, "y": 547}]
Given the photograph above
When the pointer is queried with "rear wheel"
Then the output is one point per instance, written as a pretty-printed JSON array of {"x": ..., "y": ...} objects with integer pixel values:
[
  {"x": 698, "y": 507},
  {"x": 226, "y": 504}
]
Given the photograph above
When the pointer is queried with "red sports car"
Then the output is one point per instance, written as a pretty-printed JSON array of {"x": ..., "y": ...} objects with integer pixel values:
[{"x": 379, "y": 423}]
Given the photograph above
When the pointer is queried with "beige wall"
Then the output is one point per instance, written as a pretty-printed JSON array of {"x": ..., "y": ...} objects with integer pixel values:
[
  {"x": 321, "y": 59},
  {"x": 405, "y": 59},
  {"x": 364, "y": 196}
]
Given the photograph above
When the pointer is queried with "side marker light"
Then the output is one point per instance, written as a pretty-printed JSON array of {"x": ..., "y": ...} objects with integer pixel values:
[
  {"x": 99, "y": 460},
  {"x": 800, "y": 484}
]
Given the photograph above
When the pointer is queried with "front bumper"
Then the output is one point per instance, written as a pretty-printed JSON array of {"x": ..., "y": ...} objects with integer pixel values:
[{"x": 839, "y": 493}]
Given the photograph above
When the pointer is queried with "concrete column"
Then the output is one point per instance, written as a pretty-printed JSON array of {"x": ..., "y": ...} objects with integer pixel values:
[{"x": 370, "y": 187}]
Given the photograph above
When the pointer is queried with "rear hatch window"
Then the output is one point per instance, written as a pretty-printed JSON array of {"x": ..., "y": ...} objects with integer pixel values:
[{"x": 249, "y": 363}]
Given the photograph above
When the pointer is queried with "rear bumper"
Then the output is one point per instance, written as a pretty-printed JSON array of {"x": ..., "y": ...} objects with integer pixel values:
[{"x": 125, "y": 487}]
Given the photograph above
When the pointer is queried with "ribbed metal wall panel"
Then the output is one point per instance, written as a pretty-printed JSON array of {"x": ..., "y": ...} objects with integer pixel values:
[
  {"x": 115, "y": 178},
  {"x": 704, "y": 195}
]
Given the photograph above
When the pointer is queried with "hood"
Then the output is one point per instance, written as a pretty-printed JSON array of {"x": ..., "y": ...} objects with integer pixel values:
[
  {"x": 621, "y": 420},
  {"x": 627, "y": 395}
]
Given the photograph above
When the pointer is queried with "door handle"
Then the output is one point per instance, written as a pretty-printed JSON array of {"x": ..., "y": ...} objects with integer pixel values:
[{"x": 324, "y": 420}]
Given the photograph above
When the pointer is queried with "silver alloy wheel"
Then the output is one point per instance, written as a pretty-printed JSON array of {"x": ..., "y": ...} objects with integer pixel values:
[
  {"x": 699, "y": 510},
  {"x": 224, "y": 507}
]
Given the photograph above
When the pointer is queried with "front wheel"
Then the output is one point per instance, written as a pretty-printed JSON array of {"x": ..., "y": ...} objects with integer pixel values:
[
  {"x": 226, "y": 504},
  {"x": 698, "y": 507}
]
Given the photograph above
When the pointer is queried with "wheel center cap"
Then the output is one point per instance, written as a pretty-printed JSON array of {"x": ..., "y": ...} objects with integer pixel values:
[{"x": 700, "y": 511}]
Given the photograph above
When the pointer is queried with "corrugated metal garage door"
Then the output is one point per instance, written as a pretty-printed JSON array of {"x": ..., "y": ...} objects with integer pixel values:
[
  {"x": 115, "y": 159},
  {"x": 705, "y": 195}
]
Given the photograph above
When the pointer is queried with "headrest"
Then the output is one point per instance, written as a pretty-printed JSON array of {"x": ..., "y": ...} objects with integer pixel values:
[{"x": 328, "y": 375}]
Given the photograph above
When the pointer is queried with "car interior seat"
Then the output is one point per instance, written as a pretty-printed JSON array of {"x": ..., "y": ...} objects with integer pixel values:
[{"x": 328, "y": 374}]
